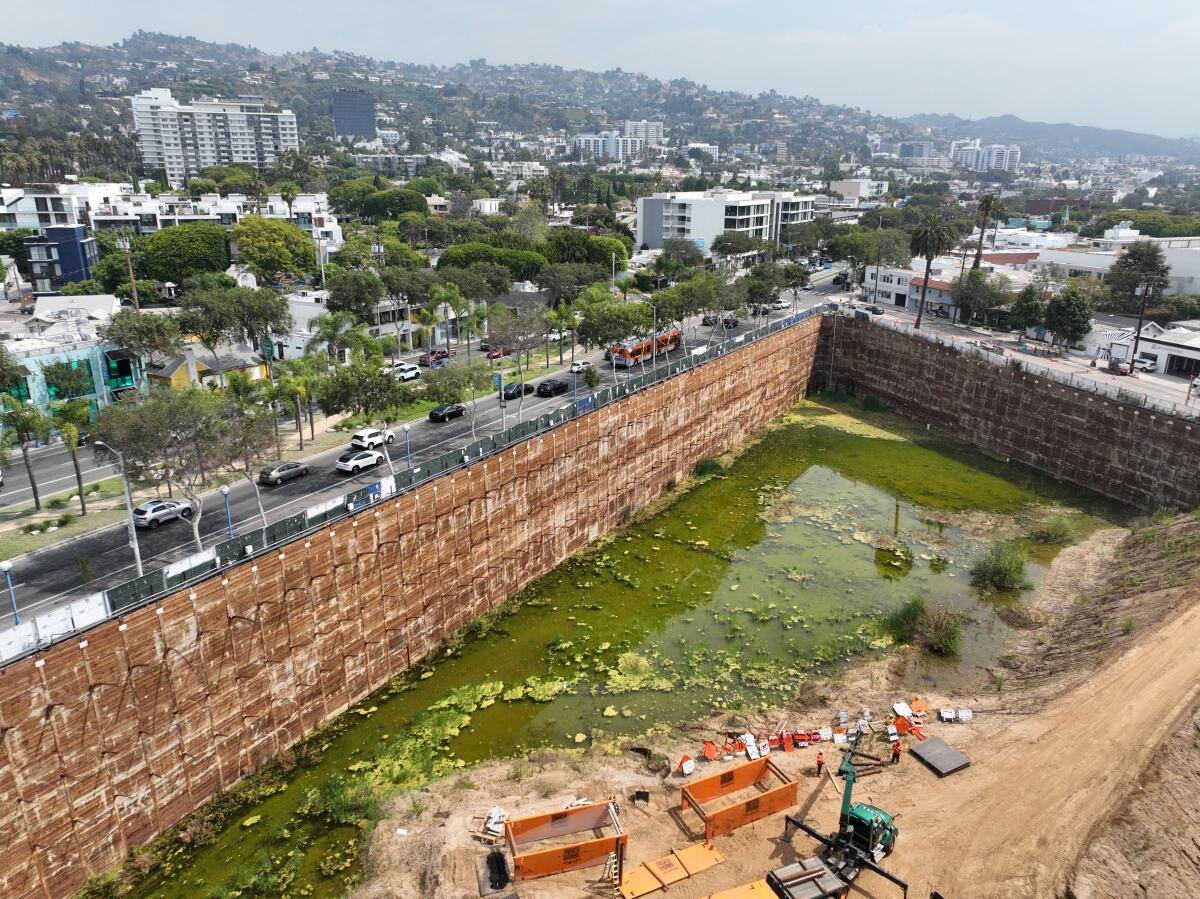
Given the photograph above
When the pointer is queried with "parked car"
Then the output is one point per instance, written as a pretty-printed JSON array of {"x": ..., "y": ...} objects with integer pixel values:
[
  {"x": 369, "y": 438},
  {"x": 275, "y": 474},
  {"x": 1145, "y": 365},
  {"x": 491, "y": 351},
  {"x": 516, "y": 390},
  {"x": 355, "y": 461},
  {"x": 711, "y": 320},
  {"x": 159, "y": 511},
  {"x": 875, "y": 310},
  {"x": 552, "y": 387},
  {"x": 781, "y": 304},
  {"x": 406, "y": 371},
  {"x": 808, "y": 287},
  {"x": 439, "y": 354},
  {"x": 760, "y": 309},
  {"x": 447, "y": 411},
  {"x": 578, "y": 368}
]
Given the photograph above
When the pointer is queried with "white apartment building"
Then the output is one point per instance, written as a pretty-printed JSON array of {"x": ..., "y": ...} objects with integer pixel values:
[
  {"x": 608, "y": 145},
  {"x": 183, "y": 139},
  {"x": 652, "y": 133},
  {"x": 27, "y": 207},
  {"x": 701, "y": 216},
  {"x": 859, "y": 188},
  {"x": 512, "y": 170},
  {"x": 708, "y": 149},
  {"x": 990, "y": 158},
  {"x": 144, "y": 214}
]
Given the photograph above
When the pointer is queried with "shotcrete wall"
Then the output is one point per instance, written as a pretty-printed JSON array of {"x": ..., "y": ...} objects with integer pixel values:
[
  {"x": 1132, "y": 455},
  {"x": 109, "y": 739}
]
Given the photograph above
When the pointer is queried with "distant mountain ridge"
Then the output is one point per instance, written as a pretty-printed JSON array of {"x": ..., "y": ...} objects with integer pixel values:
[{"x": 1058, "y": 139}]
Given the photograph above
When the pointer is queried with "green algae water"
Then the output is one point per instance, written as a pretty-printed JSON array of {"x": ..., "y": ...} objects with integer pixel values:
[{"x": 779, "y": 567}]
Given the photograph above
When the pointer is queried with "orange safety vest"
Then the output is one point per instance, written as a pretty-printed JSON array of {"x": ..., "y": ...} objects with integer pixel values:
[
  {"x": 897, "y": 748},
  {"x": 820, "y": 758}
]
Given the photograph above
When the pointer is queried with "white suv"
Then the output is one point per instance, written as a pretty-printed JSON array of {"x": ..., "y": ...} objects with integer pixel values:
[
  {"x": 369, "y": 438},
  {"x": 406, "y": 371}
]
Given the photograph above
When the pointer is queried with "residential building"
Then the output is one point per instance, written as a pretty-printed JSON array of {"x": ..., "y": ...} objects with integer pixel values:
[
  {"x": 1121, "y": 236},
  {"x": 182, "y": 139},
  {"x": 486, "y": 205},
  {"x": 60, "y": 255},
  {"x": 990, "y": 158},
  {"x": 892, "y": 287},
  {"x": 608, "y": 145},
  {"x": 1174, "y": 349},
  {"x": 36, "y": 207},
  {"x": 516, "y": 170},
  {"x": 652, "y": 134},
  {"x": 859, "y": 189},
  {"x": 700, "y": 216},
  {"x": 405, "y": 166},
  {"x": 144, "y": 214},
  {"x": 90, "y": 311},
  {"x": 389, "y": 137},
  {"x": 110, "y": 370},
  {"x": 710, "y": 150},
  {"x": 353, "y": 114},
  {"x": 199, "y": 367}
]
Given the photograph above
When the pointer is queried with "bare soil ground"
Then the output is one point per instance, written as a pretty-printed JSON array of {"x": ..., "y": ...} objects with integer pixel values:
[{"x": 1084, "y": 777}]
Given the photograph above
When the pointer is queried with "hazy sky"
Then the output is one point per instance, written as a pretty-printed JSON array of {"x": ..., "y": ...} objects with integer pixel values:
[{"x": 1090, "y": 62}]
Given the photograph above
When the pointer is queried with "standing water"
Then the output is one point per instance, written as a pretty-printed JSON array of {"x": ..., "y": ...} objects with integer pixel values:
[{"x": 776, "y": 568}]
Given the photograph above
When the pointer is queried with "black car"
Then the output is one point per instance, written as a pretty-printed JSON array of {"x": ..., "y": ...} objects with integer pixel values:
[
  {"x": 711, "y": 320},
  {"x": 760, "y": 309},
  {"x": 447, "y": 411},
  {"x": 274, "y": 475},
  {"x": 516, "y": 390},
  {"x": 875, "y": 310},
  {"x": 552, "y": 387}
]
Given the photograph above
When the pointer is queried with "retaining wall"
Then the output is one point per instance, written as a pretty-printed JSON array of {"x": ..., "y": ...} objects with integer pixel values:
[
  {"x": 1133, "y": 455},
  {"x": 109, "y": 738}
]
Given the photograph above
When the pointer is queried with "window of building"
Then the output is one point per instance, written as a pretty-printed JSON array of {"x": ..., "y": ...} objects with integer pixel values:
[{"x": 20, "y": 391}]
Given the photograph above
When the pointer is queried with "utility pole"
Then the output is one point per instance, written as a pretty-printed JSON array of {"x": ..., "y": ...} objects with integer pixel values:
[{"x": 1146, "y": 290}]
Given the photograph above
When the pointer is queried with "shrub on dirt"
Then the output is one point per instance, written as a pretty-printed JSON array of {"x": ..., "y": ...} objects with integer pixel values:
[
  {"x": 934, "y": 627},
  {"x": 707, "y": 467},
  {"x": 1057, "y": 529},
  {"x": 1002, "y": 567}
]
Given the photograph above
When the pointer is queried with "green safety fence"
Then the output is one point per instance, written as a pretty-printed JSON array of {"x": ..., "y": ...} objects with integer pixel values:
[
  {"x": 137, "y": 590},
  {"x": 286, "y": 528},
  {"x": 172, "y": 581},
  {"x": 236, "y": 549}
]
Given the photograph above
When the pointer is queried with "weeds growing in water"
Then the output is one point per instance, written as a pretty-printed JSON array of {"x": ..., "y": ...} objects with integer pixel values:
[
  {"x": 708, "y": 466},
  {"x": 1002, "y": 567},
  {"x": 1057, "y": 529}
]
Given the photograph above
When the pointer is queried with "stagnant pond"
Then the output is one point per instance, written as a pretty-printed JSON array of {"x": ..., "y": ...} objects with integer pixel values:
[{"x": 777, "y": 568}]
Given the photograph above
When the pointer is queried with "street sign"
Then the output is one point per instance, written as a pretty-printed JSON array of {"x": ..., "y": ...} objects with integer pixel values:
[{"x": 497, "y": 380}]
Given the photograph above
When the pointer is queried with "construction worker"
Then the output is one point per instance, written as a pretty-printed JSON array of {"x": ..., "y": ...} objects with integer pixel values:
[
  {"x": 897, "y": 749},
  {"x": 820, "y": 762}
]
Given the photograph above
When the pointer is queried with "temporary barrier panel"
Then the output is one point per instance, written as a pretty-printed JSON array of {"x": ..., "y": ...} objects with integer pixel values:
[
  {"x": 748, "y": 774},
  {"x": 133, "y": 592},
  {"x": 17, "y": 639},
  {"x": 193, "y": 566},
  {"x": 520, "y": 832},
  {"x": 240, "y": 547},
  {"x": 88, "y": 611},
  {"x": 54, "y": 624},
  {"x": 286, "y": 528}
]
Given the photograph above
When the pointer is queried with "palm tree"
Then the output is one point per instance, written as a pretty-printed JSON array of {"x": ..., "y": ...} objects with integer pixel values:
[
  {"x": 332, "y": 330},
  {"x": 23, "y": 425},
  {"x": 294, "y": 387},
  {"x": 288, "y": 191},
  {"x": 69, "y": 416},
  {"x": 989, "y": 206},
  {"x": 932, "y": 236},
  {"x": 561, "y": 319},
  {"x": 426, "y": 318}
]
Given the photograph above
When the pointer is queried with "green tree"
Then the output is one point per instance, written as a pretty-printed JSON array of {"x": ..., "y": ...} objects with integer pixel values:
[
  {"x": 176, "y": 253},
  {"x": 249, "y": 432},
  {"x": 426, "y": 186},
  {"x": 523, "y": 264},
  {"x": 932, "y": 236},
  {"x": 1140, "y": 268},
  {"x": 86, "y": 288},
  {"x": 288, "y": 191},
  {"x": 1068, "y": 316},
  {"x": 270, "y": 246},
  {"x": 65, "y": 381},
  {"x": 349, "y": 198},
  {"x": 336, "y": 331},
  {"x": 145, "y": 335},
  {"x": 24, "y": 425},
  {"x": 606, "y": 323},
  {"x": 1028, "y": 311},
  {"x": 356, "y": 292},
  {"x": 387, "y": 204},
  {"x": 989, "y": 207},
  {"x": 69, "y": 418}
]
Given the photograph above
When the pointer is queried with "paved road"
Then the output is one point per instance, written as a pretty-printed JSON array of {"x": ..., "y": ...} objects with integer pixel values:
[{"x": 47, "y": 577}]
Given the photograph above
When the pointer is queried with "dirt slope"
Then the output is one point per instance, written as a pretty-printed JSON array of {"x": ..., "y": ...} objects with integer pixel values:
[{"x": 1013, "y": 824}]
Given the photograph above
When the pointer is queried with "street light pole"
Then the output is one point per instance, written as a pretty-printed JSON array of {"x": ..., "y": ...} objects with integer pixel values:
[
  {"x": 6, "y": 567},
  {"x": 1146, "y": 289},
  {"x": 133, "y": 541},
  {"x": 123, "y": 243},
  {"x": 408, "y": 444},
  {"x": 228, "y": 516}
]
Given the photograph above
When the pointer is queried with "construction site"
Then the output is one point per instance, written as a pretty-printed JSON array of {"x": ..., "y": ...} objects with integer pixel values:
[{"x": 1016, "y": 787}]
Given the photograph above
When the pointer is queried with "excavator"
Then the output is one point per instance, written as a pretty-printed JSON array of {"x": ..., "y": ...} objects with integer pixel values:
[{"x": 866, "y": 833}]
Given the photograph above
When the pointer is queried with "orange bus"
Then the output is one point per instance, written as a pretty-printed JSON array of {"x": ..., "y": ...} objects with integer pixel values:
[{"x": 635, "y": 350}]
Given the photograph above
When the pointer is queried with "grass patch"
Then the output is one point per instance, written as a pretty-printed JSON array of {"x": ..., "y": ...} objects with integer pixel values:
[
  {"x": 875, "y": 404},
  {"x": 418, "y": 408},
  {"x": 1057, "y": 529},
  {"x": 1002, "y": 567},
  {"x": 934, "y": 627}
]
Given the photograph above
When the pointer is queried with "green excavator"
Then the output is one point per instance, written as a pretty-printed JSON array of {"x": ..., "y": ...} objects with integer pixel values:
[{"x": 866, "y": 833}]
